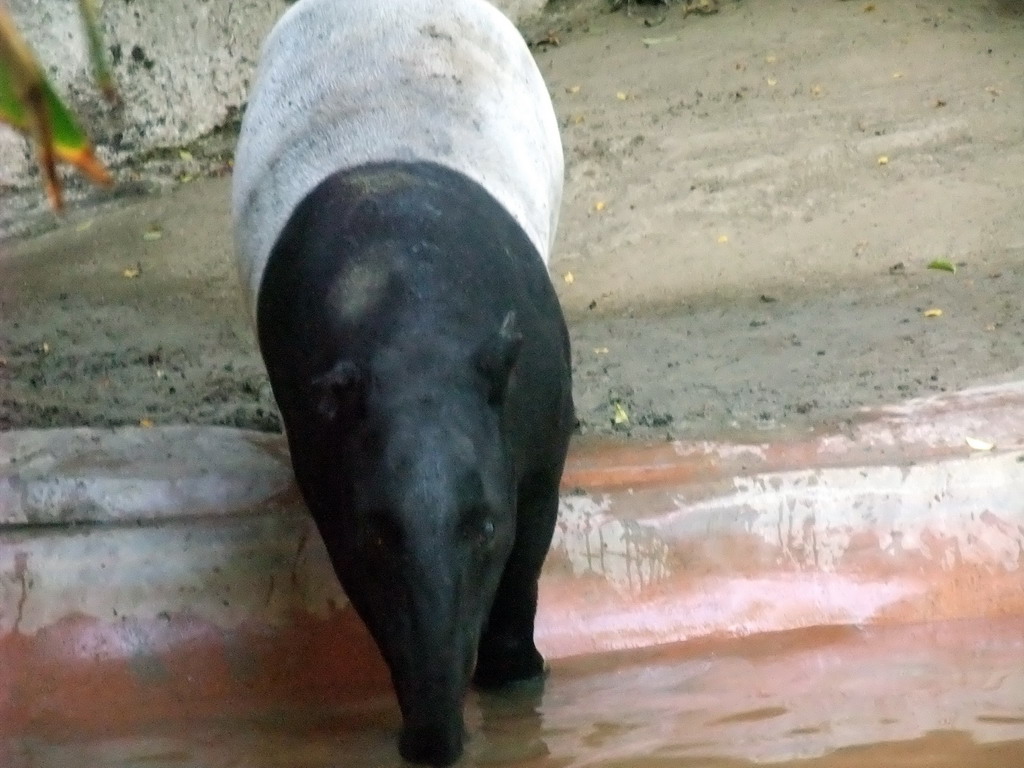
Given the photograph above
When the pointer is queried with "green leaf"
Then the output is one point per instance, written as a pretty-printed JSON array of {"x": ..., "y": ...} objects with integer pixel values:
[
  {"x": 620, "y": 416},
  {"x": 943, "y": 264},
  {"x": 29, "y": 104},
  {"x": 97, "y": 56}
]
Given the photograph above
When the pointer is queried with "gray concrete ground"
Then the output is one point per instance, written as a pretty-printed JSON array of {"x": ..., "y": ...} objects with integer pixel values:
[{"x": 752, "y": 200}]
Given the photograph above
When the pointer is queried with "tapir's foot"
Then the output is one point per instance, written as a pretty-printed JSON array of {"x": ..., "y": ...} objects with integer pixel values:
[
  {"x": 433, "y": 745},
  {"x": 499, "y": 664}
]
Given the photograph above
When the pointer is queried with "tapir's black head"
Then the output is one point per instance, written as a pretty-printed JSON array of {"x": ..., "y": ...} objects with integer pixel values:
[{"x": 416, "y": 503}]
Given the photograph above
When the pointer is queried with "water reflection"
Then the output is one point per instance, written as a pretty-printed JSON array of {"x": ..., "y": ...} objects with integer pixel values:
[
  {"x": 629, "y": 555},
  {"x": 511, "y": 729}
]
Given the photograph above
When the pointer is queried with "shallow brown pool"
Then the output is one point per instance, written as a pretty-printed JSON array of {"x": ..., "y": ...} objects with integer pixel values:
[{"x": 945, "y": 695}]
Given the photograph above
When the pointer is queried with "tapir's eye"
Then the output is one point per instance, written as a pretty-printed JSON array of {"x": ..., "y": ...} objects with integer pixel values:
[
  {"x": 485, "y": 534},
  {"x": 478, "y": 528},
  {"x": 487, "y": 530}
]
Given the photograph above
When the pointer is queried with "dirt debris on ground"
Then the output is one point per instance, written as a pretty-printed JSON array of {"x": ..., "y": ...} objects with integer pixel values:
[{"x": 752, "y": 201}]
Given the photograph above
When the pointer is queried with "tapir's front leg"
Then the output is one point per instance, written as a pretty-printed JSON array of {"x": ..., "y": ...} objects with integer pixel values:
[{"x": 507, "y": 652}]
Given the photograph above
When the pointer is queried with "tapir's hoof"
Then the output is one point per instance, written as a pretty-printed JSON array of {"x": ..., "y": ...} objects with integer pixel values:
[
  {"x": 524, "y": 667},
  {"x": 431, "y": 745}
]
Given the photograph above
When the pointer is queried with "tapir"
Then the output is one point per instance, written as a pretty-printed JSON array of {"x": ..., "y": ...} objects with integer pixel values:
[{"x": 396, "y": 191}]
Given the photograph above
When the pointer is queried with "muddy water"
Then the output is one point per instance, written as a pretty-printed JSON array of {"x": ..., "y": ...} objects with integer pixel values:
[{"x": 933, "y": 696}]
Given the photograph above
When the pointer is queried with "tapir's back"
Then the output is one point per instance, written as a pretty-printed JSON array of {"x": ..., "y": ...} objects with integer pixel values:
[{"x": 345, "y": 82}]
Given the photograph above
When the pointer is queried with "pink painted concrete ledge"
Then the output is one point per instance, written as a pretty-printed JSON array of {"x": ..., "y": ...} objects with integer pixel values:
[{"x": 140, "y": 568}]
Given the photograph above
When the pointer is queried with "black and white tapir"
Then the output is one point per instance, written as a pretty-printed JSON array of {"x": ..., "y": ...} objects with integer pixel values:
[{"x": 396, "y": 191}]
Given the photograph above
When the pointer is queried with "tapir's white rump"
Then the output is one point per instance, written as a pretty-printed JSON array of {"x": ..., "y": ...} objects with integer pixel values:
[{"x": 345, "y": 82}]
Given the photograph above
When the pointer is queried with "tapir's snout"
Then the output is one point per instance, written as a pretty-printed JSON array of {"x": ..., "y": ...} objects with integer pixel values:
[
  {"x": 432, "y": 695},
  {"x": 435, "y": 743},
  {"x": 431, "y": 648}
]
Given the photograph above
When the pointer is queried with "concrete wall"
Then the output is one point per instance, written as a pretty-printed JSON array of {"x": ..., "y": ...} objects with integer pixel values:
[
  {"x": 153, "y": 575},
  {"x": 183, "y": 69}
]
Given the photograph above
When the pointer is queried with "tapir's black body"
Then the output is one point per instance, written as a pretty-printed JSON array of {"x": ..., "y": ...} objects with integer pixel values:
[{"x": 428, "y": 426}]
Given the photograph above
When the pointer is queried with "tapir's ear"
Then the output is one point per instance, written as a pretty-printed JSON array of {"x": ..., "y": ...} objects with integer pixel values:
[
  {"x": 497, "y": 355},
  {"x": 340, "y": 390}
]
